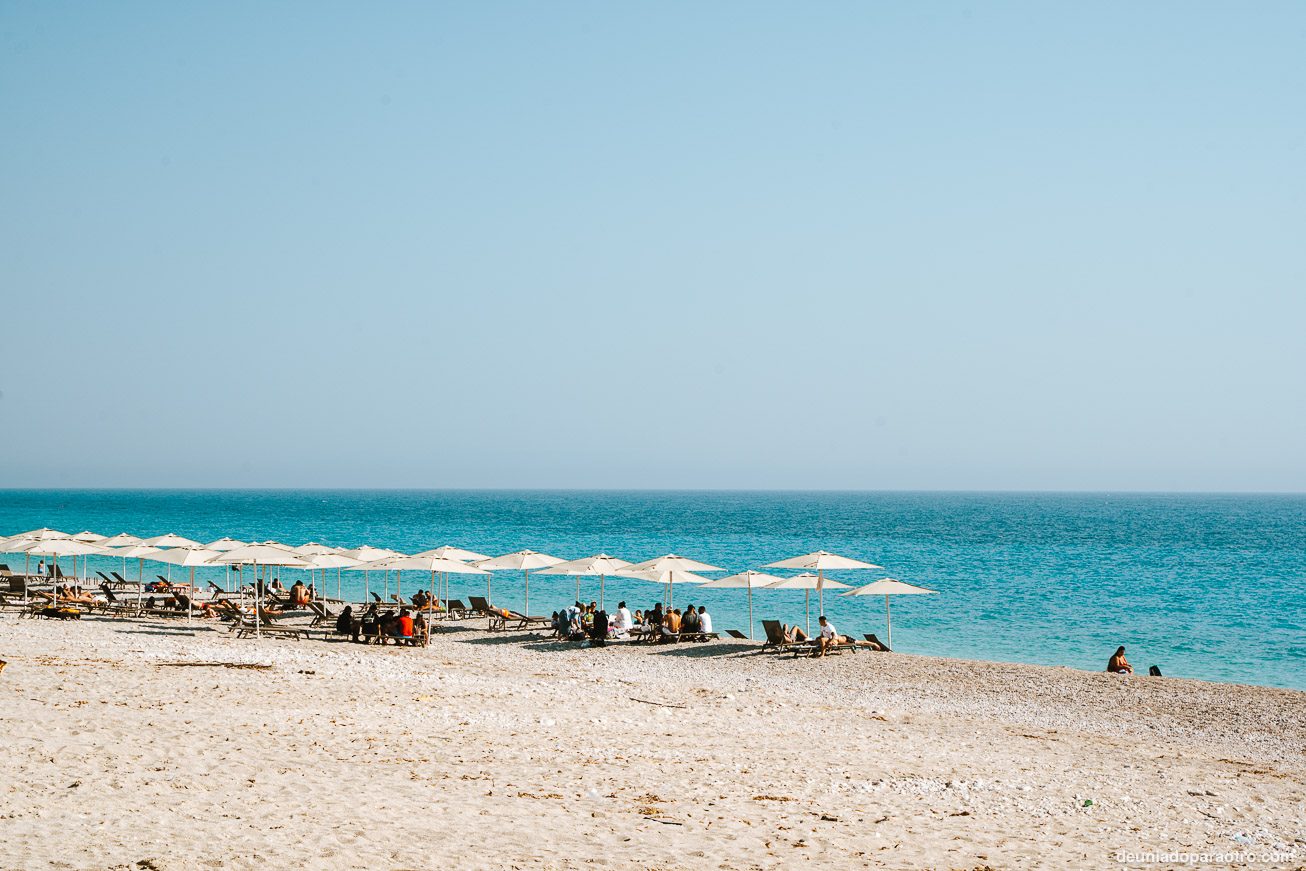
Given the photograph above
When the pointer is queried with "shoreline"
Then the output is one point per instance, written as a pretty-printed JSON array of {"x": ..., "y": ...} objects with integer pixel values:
[{"x": 534, "y": 754}]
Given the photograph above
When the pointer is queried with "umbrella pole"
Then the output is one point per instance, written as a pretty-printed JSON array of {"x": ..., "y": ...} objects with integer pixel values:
[
  {"x": 526, "y": 610},
  {"x": 367, "y": 589},
  {"x": 578, "y": 588},
  {"x": 888, "y": 625},
  {"x": 430, "y": 606},
  {"x": 337, "y": 582},
  {"x": 602, "y": 605},
  {"x": 807, "y": 610},
  {"x": 399, "y": 583},
  {"x": 258, "y": 618},
  {"x": 750, "y": 610},
  {"x": 190, "y": 600}
]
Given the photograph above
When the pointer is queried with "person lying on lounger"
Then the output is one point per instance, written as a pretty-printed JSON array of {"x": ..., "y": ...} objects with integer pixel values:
[{"x": 793, "y": 634}]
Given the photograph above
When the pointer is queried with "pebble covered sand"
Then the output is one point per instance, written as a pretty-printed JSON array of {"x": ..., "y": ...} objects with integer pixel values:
[{"x": 508, "y": 750}]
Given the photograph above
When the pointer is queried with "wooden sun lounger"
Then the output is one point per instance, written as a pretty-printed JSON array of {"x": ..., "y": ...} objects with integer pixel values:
[
  {"x": 735, "y": 633},
  {"x": 870, "y": 636},
  {"x": 775, "y": 638}
]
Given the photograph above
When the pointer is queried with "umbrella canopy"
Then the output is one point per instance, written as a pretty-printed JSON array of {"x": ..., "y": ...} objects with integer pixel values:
[
  {"x": 15, "y": 544},
  {"x": 184, "y": 556},
  {"x": 171, "y": 540},
  {"x": 448, "y": 551},
  {"x": 671, "y": 562},
  {"x": 330, "y": 560},
  {"x": 887, "y": 587},
  {"x": 821, "y": 561},
  {"x": 808, "y": 582},
  {"x": 263, "y": 554},
  {"x": 225, "y": 544},
  {"x": 424, "y": 564},
  {"x": 523, "y": 561},
  {"x": 122, "y": 539},
  {"x": 134, "y": 551},
  {"x": 88, "y": 537},
  {"x": 600, "y": 564},
  {"x": 42, "y": 534},
  {"x": 745, "y": 580},
  {"x": 367, "y": 553},
  {"x": 314, "y": 548},
  {"x": 58, "y": 547}
]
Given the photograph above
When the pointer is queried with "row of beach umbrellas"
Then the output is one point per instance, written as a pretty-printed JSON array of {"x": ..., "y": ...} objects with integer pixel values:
[{"x": 440, "y": 562}]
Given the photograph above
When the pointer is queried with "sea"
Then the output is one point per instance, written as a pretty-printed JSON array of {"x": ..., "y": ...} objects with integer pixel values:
[{"x": 1203, "y": 586}]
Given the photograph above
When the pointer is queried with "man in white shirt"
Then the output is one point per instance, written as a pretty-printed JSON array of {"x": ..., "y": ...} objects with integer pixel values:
[
  {"x": 829, "y": 637},
  {"x": 624, "y": 620},
  {"x": 704, "y": 621}
]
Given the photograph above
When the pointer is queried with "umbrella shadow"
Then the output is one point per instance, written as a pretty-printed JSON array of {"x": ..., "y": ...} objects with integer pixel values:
[
  {"x": 695, "y": 649},
  {"x": 170, "y": 633},
  {"x": 500, "y": 638}
]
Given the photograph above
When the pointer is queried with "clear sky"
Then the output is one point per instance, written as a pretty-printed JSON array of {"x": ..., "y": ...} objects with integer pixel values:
[{"x": 830, "y": 245}]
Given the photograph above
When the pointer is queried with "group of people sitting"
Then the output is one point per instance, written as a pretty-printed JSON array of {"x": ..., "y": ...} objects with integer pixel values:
[
  {"x": 382, "y": 627},
  {"x": 578, "y": 622}
]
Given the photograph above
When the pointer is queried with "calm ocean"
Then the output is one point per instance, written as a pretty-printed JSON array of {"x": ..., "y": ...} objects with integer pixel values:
[{"x": 1205, "y": 586}]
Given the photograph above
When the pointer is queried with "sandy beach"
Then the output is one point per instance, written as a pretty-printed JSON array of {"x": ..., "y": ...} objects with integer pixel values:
[{"x": 507, "y": 750}]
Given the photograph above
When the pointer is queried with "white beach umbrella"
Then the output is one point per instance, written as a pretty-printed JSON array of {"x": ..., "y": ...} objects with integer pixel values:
[
  {"x": 225, "y": 544},
  {"x": 266, "y": 554},
  {"x": 314, "y": 548},
  {"x": 745, "y": 580},
  {"x": 670, "y": 577},
  {"x": 807, "y": 582},
  {"x": 600, "y": 564},
  {"x": 820, "y": 561},
  {"x": 88, "y": 537},
  {"x": 672, "y": 562},
  {"x": 523, "y": 561},
  {"x": 448, "y": 551},
  {"x": 122, "y": 539},
  {"x": 887, "y": 587},
  {"x": 171, "y": 540},
  {"x": 42, "y": 534},
  {"x": 188, "y": 557}
]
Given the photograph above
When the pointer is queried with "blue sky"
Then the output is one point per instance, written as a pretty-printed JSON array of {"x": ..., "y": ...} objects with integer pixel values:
[{"x": 994, "y": 246}]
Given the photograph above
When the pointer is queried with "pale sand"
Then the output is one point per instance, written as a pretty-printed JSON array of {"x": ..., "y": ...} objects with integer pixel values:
[{"x": 499, "y": 751}]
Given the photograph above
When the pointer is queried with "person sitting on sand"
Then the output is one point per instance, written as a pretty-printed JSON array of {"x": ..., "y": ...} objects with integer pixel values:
[
  {"x": 829, "y": 637},
  {"x": 624, "y": 623},
  {"x": 1118, "y": 664}
]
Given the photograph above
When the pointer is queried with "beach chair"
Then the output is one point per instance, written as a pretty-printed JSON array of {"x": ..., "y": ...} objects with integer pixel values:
[
  {"x": 456, "y": 610},
  {"x": 115, "y": 607},
  {"x": 321, "y": 614},
  {"x": 480, "y": 607},
  {"x": 268, "y": 625},
  {"x": 121, "y": 580},
  {"x": 875, "y": 643},
  {"x": 735, "y": 633},
  {"x": 775, "y": 639},
  {"x": 104, "y": 577}
]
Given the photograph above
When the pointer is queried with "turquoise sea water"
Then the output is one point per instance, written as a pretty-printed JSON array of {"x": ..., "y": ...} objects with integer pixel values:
[{"x": 1206, "y": 586}]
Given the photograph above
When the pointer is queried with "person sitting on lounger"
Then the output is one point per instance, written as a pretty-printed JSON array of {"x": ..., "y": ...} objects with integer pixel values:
[
  {"x": 599, "y": 630},
  {"x": 276, "y": 586},
  {"x": 689, "y": 622},
  {"x": 671, "y": 624},
  {"x": 1118, "y": 664},
  {"x": 299, "y": 594},
  {"x": 401, "y": 628},
  {"x": 829, "y": 637},
  {"x": 345, "y": 623}
]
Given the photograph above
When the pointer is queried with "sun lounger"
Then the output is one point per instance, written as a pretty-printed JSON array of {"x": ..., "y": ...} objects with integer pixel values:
[
  {"x": 870, "y": 636},
  {"x": 501, "y": 619},
  {"x": 775, "y": 639},
  {"x": 735, "y": 633},
  {"x": 456, "y": 610},
  {"x": 321, "y": 613}
]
